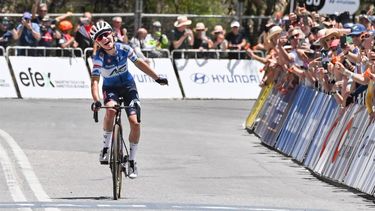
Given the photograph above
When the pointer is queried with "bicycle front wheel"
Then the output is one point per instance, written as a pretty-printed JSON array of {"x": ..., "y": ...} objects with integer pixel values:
[{"x": 116, "y": 158}]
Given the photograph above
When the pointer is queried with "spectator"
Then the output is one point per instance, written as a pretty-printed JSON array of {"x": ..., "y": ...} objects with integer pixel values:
[
  {"x": 236, "y": 40},
  {"x": 49, "y": 35},
  {"x": 182, "y": 36},
  {"x": 121, "y": 34},
  {"x": 42, "y": 10},
  {"x": 6, "y": 35},
  {"x": 82, "y": 31},
  {"x": 219, "y": 41},
  {"x": 67, "y": 40},
  {"x": 156, "y": 37},
  {"x": 138, "y": 43},
  {"x": 201, "y": 41},
  {"x": 27, "y": 34}
]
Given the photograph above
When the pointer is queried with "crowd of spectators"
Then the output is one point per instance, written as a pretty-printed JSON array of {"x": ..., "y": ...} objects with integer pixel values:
[
  {"x": 37, "y": 28},
  {"x": 333, "y": 54}
]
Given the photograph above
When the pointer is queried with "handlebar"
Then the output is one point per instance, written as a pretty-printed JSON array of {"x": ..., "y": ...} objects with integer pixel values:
[{"x": 117, "y": 107}]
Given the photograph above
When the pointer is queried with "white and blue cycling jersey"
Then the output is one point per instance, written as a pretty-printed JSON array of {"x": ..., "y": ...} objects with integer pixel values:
[{"x": 114, "y": 69}]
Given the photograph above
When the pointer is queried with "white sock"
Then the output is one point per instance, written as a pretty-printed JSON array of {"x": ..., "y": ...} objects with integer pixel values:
[
  {"x": 133, "y": 151},
  {"x": 107, "y": 135}
]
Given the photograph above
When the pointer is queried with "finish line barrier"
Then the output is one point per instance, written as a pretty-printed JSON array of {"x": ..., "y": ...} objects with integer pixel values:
[{"x": 335, "y": 143}]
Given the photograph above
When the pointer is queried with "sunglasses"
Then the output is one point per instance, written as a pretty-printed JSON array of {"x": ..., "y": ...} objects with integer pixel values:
[
  {"x": 100, "y": 37},
  {"x": 330, "y": 39},
  {"x": 293, "y": 36},
  {"x": 365, "y": 36}
]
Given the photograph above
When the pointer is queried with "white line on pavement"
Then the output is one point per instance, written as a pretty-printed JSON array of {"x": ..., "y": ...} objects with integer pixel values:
[
  {"x": 26, "y": 168},
  {"x": 10, "y": 177}
]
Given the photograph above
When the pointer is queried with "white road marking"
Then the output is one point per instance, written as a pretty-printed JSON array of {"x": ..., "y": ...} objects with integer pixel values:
[
  {"x": 10, "y": 177},
  {"x": 26, "y": 169}
]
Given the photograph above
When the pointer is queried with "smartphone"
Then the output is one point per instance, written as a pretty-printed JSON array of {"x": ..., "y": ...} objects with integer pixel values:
[
  {"x": 287, "y": 24},
  {"x": 343, "y": 41},
  {"x": 305, "y": 20},
  {"x": 325, "y": 59}
]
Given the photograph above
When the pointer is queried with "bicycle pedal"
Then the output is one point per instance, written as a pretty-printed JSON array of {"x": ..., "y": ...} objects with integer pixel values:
[{"x": 103, "y": 162}]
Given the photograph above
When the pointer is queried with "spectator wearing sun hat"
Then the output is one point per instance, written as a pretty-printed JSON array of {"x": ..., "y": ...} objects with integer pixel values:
[
  {"x": 27, "y": 33},
  {"x": 182, "y": 36},
  {"x": 201, "y": 41},
  {"x": 218, "y": 39}
]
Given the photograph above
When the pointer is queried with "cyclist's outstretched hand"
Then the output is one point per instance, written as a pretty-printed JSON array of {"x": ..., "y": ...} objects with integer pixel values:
[
  {"x": 162, "y": 81},
  {"x": 95, "y": 106}
]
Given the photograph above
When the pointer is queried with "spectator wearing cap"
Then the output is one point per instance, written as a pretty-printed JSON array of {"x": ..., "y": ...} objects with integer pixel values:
[
  {"x": 201, "y": 41},
  {"x": 42, "y": 10},
  {"x": 6, "y": 35},
  {"x": 218, "y": 39},
  {"x": 236, "y": 40},
  {"x": 121, "y": 33},
  {"x": 182, "y": 36},
  {"x": 354, "y": 53},
  {"x": 27, "y": 33},
  {"x": 49, "y": 36},
  {"x": 156, "y": 37},
  {"x": 82, "y": 31},
  {"x": 67, "y": 40}
]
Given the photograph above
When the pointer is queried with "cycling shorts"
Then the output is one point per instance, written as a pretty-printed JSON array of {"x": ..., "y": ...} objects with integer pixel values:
[{"x": 129, "y": 93}]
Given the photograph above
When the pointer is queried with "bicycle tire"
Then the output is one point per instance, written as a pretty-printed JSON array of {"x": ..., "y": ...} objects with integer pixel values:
[{"x": 116, "y": 159}]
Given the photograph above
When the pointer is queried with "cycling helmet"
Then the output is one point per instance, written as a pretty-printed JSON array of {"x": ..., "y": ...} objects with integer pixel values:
[{"x": 98, "y": 28}]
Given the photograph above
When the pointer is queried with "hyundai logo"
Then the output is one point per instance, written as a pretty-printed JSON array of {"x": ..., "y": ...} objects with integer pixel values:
[{"x": 199, "y": 78}]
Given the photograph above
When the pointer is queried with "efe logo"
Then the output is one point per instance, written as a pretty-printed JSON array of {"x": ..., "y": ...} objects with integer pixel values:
[{"x": 35, "y": 79}]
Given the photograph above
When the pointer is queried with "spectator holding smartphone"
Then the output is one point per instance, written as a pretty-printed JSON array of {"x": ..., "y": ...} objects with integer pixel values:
[{"x": 27, "y": 34}]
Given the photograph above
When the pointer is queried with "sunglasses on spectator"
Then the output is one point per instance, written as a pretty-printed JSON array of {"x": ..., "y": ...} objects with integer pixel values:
[
  {"x": 293, "y": 36},
  {"x": 218, "y": 32},
  {"x": 365, "y": 36},
  {"x": 100, "y": 37},
  {"x": 330, "y": 39}
]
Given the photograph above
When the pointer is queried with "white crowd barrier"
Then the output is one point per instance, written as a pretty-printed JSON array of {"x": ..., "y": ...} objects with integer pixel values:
[
  {"x": 219, "y": 78},
  {"x": 7, "y": 87},
  {"x": 147, "y": 87},
  {"x": 51, "y": 77}
]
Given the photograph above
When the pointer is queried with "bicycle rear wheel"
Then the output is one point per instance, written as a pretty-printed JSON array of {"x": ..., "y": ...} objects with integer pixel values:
[{"x": 116, "y": 158}]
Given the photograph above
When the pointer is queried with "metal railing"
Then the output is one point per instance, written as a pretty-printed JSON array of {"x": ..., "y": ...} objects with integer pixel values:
[
  {"x": 43, "y": 51},
  {"x": 212, "y": 53},
  {"x": 2, "y": 51},
  {"x": 154, "y": 53}
]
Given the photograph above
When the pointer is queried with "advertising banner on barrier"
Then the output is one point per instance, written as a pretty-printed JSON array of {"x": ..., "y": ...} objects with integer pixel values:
[
  {"x": 220, "y": 78},
  {"x": 323, "y": 132},
  {"x": 250, "y": 121},
  {"x": 7, "y": 88},
  {"x": 51, "y": 77},
  {"x": 147, "y": 87},
  {"x": 272, "y": 115}
]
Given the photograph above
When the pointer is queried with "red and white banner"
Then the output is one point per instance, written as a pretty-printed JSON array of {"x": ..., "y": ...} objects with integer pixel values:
[
  {"x": 51, "y": 77},
  {"x": 7, "y": 88},
  {"x": 220, "y": 78}
]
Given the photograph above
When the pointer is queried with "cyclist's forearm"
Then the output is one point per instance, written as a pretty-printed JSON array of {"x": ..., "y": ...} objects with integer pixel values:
[
  {"x": 95, "y": 88},
  {"x": 142, "y": 65}
]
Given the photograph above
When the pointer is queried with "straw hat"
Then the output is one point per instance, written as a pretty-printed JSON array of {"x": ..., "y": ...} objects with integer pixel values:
[
  {"x": 200, "y": 27},
  {"x": 218, "y": 28},
  {"x": 182, "y": 21},
  {"x": 274, "y": 31},
  {"x": 329, "y": 33}
]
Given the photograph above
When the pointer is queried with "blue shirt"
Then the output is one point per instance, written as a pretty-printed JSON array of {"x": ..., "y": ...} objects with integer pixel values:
[
  {"x": 27, "y": 38},
  {"x": 114, "y": 69}
]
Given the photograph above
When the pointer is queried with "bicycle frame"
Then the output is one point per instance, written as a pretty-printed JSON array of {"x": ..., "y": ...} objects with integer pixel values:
[{"x": 119, "y": 153}]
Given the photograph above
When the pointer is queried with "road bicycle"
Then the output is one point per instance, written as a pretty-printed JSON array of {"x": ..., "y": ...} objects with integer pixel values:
[{"x": 119, "y": 155}]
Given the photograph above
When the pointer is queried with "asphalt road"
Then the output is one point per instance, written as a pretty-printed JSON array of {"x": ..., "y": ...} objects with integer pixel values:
[{"x": 193, "y": 155}]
